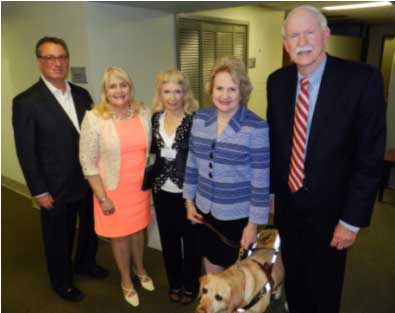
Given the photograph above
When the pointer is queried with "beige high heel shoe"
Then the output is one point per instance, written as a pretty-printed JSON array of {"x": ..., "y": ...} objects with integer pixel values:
[
  {"x": 146, "y": 282},
  {"x": 131, "y": 296}
]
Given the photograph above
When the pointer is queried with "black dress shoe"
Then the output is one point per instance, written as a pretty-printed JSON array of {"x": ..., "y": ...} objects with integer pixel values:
[
  {"x": 94, "y": 271},
  {"x": 71, "y": 294}
]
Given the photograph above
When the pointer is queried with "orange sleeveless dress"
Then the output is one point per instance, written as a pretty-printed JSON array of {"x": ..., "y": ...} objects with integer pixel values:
[{"x": 132, "y": 205}]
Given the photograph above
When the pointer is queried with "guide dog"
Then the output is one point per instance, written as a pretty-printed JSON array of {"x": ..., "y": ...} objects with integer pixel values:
[{"x": 248, "y": 285}]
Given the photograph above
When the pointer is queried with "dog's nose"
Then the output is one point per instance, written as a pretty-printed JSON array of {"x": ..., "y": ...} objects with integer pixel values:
[{"x": 200, "y": 310}]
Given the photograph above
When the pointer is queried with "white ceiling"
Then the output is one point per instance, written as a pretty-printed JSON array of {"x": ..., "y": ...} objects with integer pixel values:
[
  {"x": 183, "y": 6},
  {"x": 372, "y": 15}
]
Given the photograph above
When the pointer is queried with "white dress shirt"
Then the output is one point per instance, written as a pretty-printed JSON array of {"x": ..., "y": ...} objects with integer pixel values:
[
  {"x": 65, "y": 100},
  {"x": 168, "y": 186}
]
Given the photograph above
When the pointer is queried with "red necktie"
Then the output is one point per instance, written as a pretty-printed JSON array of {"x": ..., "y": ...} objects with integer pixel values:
[{"x": 296, "y": 170}]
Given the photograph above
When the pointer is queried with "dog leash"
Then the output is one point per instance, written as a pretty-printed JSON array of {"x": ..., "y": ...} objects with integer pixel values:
[
  {"x": 227, "y": 241},
  {"x": 224, "y": 239},
  {"x": 236, "y": 244}
]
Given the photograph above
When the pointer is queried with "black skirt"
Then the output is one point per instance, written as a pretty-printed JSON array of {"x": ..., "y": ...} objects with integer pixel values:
[{"x": 212, "y": 247}]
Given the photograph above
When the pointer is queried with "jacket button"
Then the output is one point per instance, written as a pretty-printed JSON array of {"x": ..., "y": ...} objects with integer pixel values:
[{"x": 210, "y": 175}]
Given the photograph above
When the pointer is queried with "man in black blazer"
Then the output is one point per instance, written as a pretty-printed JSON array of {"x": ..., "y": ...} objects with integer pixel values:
[
  {"x": 46, "y": 119},
  {"x": 325, "y": 165}
]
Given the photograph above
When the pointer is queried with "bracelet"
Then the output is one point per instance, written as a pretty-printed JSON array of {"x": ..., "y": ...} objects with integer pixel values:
[
  {"x": 189, "y": 203},
  {"x": 102, "y": 199}
]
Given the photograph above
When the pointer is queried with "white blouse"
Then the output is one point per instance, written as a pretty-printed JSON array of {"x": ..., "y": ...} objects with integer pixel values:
[{"x": 168, "y": 186}]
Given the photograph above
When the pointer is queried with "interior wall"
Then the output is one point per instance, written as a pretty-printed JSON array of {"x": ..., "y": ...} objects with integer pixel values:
[
  {"x": 139, "y": 40},
  {"x": 142, "y": 41},
  {"x": 264, "y": 44},
  {"x": 386, "y": 61},
  {"x": 345, "y": 47},
  {"x": 376, "y": 35}
]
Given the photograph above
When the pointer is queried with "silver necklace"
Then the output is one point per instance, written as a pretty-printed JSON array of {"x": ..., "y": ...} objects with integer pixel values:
[{"x": 127, "y": 116}]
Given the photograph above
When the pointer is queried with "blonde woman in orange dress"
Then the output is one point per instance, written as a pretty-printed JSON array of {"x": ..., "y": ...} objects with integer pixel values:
[{"x": 114, "y": 146}]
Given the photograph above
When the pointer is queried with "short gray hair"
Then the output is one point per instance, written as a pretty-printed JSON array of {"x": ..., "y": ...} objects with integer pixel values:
[{"x": 320, "y": 17}]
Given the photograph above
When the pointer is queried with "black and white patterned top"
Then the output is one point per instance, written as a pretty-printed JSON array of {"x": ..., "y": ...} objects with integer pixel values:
[{"x": 174, "y": 169}]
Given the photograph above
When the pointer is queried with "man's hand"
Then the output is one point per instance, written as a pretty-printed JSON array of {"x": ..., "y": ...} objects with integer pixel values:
[
  {"x": 343, "y": 237},
  {"x": 46, "y": 201}
]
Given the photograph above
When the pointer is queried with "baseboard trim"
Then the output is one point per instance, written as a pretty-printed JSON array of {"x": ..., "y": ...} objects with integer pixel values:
[
  {"x": 18, "y": 188},
  {"x": 15, "y": 186}
]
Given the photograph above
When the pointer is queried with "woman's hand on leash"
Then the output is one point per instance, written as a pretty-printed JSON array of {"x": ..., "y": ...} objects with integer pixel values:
[
  {"x": 249, "y": 235},
  {"x": 192, "y": 213}
]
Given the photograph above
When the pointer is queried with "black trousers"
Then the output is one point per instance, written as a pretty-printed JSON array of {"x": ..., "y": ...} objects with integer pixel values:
[
  {"x": 178, "y": 239},
  {"x": 58, "y": 230},
  {"x": 314, "y": 270}
]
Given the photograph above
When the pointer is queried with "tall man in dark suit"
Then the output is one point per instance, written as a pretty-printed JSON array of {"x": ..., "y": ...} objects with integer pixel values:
[
  {"x": 327, "y": 133},
  {"x": 46, "y": 119}
]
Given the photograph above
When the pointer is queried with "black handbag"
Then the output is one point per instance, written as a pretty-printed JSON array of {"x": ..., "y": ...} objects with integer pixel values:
[{"x": 149, "y": 176}]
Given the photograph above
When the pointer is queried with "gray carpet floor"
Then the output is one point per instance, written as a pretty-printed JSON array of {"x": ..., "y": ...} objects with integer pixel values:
[{"x": 369, "y": 285}]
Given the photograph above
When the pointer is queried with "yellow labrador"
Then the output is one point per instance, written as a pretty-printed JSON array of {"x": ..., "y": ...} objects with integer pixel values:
[{"x": 238, "y": 286}]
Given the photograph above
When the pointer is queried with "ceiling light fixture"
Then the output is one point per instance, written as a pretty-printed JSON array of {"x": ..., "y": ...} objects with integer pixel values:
[{"x": 363, "y": 5}]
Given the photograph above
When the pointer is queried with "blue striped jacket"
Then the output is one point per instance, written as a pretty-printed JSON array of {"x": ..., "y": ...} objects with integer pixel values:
[{"x": 229, "y": 175}]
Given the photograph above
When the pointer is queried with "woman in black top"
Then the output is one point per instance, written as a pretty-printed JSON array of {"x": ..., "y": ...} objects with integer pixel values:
[{"x": 174, "y": 106}]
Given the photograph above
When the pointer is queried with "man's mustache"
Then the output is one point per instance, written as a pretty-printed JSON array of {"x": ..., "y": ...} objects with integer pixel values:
[{"x": 307, "y": 48}]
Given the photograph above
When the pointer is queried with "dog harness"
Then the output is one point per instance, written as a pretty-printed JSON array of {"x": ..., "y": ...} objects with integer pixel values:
[
  {"x": 267, "y": 268},
  {"x": 267, "y": 287}
]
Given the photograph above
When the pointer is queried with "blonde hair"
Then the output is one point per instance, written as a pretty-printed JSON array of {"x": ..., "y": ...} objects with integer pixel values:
[
  {"x": 104, "y": 108},
  {"x": 236, "y": 69},
  {"x": 191, "y": 105}
]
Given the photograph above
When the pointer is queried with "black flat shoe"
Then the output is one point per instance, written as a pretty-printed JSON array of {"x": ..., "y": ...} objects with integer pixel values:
[
  {"x": 95, "y": 271},
  {"x": 187, "y": 297},
  {"x": 71, "y": 294},
  {"x": 175, "y": 295}
]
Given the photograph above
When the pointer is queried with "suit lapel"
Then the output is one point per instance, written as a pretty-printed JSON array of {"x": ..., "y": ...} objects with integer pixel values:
[
  {"x": 234, "y": 124},
  {"x": 325, "y": 104},
  {"x": 79, "y": 107},
  {"x": 290, "y": 85},
  {"x": 53, "y": 106}
]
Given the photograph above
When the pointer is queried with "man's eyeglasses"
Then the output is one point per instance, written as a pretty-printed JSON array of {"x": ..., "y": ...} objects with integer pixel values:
[{"x": 52, "y": 59}]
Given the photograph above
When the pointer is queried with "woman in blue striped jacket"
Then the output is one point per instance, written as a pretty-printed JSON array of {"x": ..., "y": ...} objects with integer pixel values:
[{"x": 227, "y": 175}]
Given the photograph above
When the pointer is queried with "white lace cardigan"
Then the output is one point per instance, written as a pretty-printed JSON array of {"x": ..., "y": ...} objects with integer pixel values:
[{"x": 100, "y": 150}]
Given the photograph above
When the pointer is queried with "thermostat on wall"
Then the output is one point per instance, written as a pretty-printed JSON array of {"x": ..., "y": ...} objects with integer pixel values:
[
  {"x": 78, "y": 75},
  {"x": 251, "y": 62}
]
